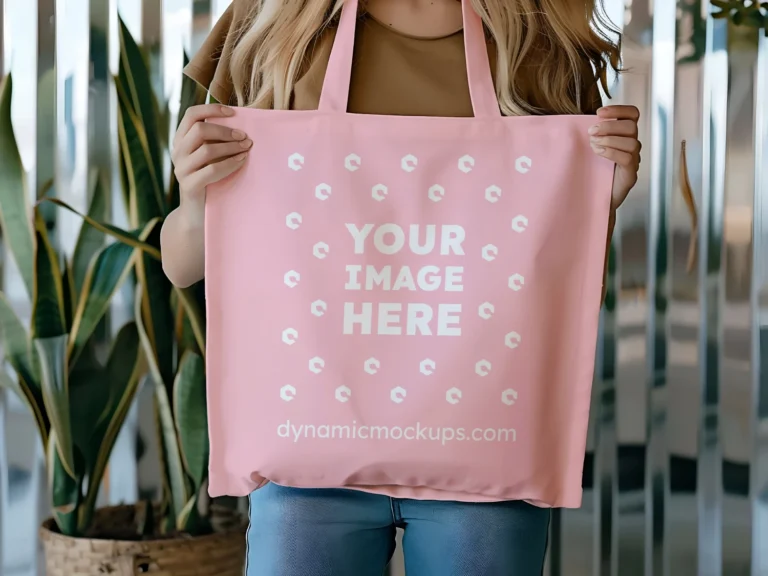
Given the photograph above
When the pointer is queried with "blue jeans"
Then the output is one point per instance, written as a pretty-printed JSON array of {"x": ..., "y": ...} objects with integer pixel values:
[{"x": 338, "y": 532}]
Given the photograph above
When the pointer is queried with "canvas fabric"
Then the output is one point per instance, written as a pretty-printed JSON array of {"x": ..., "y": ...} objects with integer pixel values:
[{"x": 405, "y": 305}]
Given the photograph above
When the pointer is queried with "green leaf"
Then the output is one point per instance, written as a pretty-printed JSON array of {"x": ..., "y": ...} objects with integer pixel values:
[
  {"x": 189, "y": 406},
  {"x": 16, "y": 343},
  {"x": 52, "y": 352},
  {"x": 189, "y": 305},
  {"x": 185, "y": 337},
  {"x": 18, "y": 352},
  {"x": 145, "y": 186},
  {"x": 138, "y": 142},
  {"x": 70, "y": 295},
  {"x": 164, "y": 124},
  {"x": 15, "y": 212},
  {"x": 756, "y": 19},
  {"x": 184, "y": 517},
  {"x": 120, "y": 379},
  {"x": 177, "y": 482},
  {"x": 89, "y": 403},
  {"x": 109, "y": 268},
  {"x": 174, "y": 193},
  {"x": 189, "y": 520},
  {"x": 132, "y": 238},
  {"x": 90, "y": 239},
  {"x": 180, "y": 492},
  {"x": 191, "y": 95},
  {"x": 48, "y": 313},
  {"x": 125, "y": 186},
  {"x": 194, "y": 313},
  {"x": 66, "y": 489},
  {"x": 157, "y": 312},
  {"x": 134, "y": 78},
  {"x": 168, "y": 522},
  {"x": 45, "y": 188},
  {"x": 146, "y": 343}
]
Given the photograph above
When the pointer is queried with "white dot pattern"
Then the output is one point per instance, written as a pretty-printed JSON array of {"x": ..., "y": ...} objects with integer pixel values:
[{"x": 489, "y": 253}]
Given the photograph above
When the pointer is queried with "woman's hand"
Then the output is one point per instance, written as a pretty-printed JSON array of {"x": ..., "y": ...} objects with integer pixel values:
[
  {"x": 615, "y": 138},
  {"x": 204, "y": 152}
]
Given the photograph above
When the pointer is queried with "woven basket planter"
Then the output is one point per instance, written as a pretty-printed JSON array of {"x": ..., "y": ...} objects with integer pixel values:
[{"x": 221, "y": 554}]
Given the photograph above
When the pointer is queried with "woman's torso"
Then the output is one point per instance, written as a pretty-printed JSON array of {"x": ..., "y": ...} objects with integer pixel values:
[{"x": 393, "y": 74}]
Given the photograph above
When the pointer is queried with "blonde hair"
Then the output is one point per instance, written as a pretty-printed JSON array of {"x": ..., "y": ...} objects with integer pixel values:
[{"x": 551, "y": 54}]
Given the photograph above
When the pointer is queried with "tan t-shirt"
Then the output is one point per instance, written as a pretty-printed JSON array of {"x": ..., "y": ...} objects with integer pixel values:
[{"x": 393, "y": 74}]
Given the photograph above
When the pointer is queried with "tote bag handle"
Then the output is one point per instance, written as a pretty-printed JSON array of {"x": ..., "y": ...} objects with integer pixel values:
[{"x": 335, "y": 94}]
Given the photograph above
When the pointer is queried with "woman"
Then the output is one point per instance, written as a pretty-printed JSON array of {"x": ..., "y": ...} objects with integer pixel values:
[{"x": 409, "y": 60}]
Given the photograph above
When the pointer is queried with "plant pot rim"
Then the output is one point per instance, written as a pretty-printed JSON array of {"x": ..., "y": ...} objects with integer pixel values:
[{"x": 49, "y": 530}]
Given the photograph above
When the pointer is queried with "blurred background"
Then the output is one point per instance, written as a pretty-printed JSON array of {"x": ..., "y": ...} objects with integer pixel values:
[{"x": 676, "y": 474}]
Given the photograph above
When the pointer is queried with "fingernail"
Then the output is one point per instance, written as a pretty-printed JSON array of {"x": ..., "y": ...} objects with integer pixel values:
[
  {"x": 595, "y": 140},
  {"x": 227, "y": 111},
  {"x": 594, "y": 130},
  {"x": 246, "y": 144},
  {"x": 598, "y": 149},
  {"x": 238, "y": 134},
  {"x": 241, "y": 156}
]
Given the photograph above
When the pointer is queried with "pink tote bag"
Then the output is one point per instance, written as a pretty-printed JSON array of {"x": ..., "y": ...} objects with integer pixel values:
[{"x": 406, "y": 305}]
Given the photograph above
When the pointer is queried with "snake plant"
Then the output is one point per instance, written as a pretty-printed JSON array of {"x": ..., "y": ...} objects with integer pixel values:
[
  {"x": 170, "y": 321},
  {"x": 752, "y": 13},
  {"x": 78, "y": 398}
]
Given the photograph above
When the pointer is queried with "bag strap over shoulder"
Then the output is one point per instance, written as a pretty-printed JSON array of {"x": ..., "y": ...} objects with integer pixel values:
[{"x": 335, "y": 94}]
